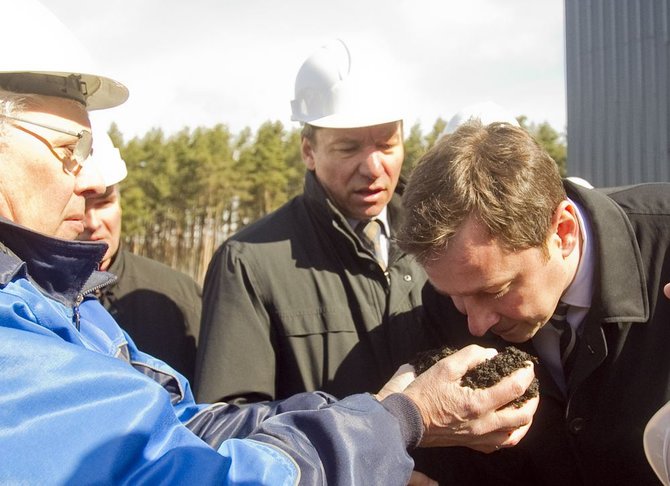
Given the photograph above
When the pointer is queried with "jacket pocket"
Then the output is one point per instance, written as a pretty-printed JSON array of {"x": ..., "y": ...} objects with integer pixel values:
[{"x": 314, "y": 321}]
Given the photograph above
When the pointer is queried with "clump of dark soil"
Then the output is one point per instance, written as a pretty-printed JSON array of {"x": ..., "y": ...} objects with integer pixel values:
[{"x": 485, "y": 374}]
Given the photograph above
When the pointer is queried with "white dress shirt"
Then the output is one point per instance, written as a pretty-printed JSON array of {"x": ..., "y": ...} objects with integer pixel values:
[{"x": 578, "y": 296}]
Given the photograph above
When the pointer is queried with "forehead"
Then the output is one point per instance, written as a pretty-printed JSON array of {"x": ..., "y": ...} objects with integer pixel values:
[
  {"x": 375, "y": 132},
  {"x": 111, "y": 192},
  {"x": 59, "y": 111}
]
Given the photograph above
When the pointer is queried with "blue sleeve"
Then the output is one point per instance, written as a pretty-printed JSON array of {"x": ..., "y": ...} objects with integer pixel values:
[
  {"x": 69, "y": 414},
  {"x": 72, "y": 415},
  {"x": 353, "y": 441}
]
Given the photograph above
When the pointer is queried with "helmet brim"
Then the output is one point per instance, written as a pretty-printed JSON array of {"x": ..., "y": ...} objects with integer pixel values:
[
  {"x": 101, "y": 91},
  {"x": 345, "y": 120}
]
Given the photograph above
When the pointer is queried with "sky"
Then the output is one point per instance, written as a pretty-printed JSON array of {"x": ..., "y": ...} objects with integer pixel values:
[{"x": 203, "y": 62}]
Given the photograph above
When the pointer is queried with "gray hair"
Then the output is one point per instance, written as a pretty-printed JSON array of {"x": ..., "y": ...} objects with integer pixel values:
[
  {"x": 10, "y": 104},
  {"x": 309, "y": 132}
]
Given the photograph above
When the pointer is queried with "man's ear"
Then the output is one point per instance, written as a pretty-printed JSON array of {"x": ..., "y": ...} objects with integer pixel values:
[
  {"x": 307, "y": 152},
  {"x": 565, "y": 226}
]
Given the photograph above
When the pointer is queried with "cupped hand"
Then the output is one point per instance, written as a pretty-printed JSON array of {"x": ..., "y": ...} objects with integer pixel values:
[{"x": 455, "y": 415}]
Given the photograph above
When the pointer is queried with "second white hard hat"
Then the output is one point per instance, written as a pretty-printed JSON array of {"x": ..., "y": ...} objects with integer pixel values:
[
  {"x": 656, "y": 440},
  {"x": 105, "y": 156},
  {"x": 41, "y": 56},
  {"x": 487, "y": 112},
  {"x": 331, "y": 91}
]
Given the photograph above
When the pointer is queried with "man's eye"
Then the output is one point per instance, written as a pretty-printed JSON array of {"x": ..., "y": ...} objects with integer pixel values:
[
  {"x": 65, "y": 152},
  {"x": 109, "y": 203},
  {"x": 66, "y": 156},
  {"x": 500, "y": 293}
]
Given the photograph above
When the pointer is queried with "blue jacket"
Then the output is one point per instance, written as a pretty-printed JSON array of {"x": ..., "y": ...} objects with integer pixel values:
[{"x": 81, "y": 404}]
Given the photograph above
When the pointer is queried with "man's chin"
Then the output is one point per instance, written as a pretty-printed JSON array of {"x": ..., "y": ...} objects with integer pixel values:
[
  {"x": 370, "y": 212},
  {"x": 69, "y": 230},
  {"x": 66, "y": 234}
]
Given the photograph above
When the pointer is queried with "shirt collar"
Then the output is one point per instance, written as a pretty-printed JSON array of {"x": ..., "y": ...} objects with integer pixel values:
[
  {"x": 580, "y": 292},
  {"x": 382, "y": 217}
]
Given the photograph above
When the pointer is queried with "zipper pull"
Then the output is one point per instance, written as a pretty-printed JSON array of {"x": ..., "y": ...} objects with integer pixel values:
[{"x": 76, "y": 317}]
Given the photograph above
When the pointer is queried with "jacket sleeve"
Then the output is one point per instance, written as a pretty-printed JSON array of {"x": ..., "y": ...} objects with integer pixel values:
[
  {"x": 233, "y": 316},
  {"x": 353, "y": 441},
  {"x": 70, "y": 414}
]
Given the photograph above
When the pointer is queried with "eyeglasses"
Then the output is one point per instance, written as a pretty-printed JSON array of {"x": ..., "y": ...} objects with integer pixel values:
[{"x": 82, "y": 148}]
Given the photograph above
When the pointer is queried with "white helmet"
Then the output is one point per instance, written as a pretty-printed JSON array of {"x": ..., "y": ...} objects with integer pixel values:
[
  {"x": 487, "y": 112},
  {"x": 580, "y": 181},
  {"x": 656, "y": 441},
  {"x": 40, "y": 55},
  {"x": 328, "y": 93},
  {"x": 105, "y": 156}
]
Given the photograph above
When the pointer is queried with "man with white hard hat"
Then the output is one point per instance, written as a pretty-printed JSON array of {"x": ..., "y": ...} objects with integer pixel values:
[
  {"x": 80, "y": 402},
  {"x": 158, "y": 306},
  {"x": 301, "y": 300}
]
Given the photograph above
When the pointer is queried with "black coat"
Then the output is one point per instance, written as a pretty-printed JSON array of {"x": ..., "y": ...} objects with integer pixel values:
[
  {"x": 157, "y": 306},
  {"x": 622, "y": 373},
  {"x": 294, "y": 302}
]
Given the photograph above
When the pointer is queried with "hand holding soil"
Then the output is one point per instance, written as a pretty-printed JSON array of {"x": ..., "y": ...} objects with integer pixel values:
[
  {"x": 485, "y": 374},
  {"x": 458, "y": 415}
]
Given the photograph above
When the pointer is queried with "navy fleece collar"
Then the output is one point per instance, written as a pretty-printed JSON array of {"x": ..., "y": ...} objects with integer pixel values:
[{"x": 61, "y": 268}]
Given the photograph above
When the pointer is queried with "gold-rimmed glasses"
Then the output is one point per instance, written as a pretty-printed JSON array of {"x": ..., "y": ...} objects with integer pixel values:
[{"x": 80, "y": 152}]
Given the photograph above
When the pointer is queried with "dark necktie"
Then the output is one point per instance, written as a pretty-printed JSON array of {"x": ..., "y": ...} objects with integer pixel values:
[
  {"x": 370, "y": 234},
  {"x": 568, "y": 338}
]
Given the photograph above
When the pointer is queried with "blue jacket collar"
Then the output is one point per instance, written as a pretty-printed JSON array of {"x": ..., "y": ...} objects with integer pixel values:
[{"x": 62, "y": 269}]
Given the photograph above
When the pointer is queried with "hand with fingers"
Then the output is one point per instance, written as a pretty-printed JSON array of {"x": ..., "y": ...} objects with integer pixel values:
[{"x": 456, "y": 415}]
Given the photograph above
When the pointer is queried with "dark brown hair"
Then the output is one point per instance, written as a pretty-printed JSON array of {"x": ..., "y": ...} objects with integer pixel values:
[{"x": 497, "y": 173}]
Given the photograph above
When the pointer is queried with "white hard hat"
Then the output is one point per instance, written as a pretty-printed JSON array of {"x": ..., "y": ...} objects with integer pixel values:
[
  {"x": 580, "y": 181},
  {"x": 40, "y": 55},
  {"x": 487, "y": 112},
  {"x": 106, "y": 157},
  {"x": 332, "y": 92},
  {"x": 656, "y": 441}
]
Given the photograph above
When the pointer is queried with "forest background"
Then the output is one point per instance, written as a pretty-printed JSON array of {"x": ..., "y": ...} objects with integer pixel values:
[{"x": 188, "y": 192}]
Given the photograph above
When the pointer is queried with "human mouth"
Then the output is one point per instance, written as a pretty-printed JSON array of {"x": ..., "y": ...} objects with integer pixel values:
[
  {"x": 370, "y": 195},
  {"x": 76, "y": 223}
]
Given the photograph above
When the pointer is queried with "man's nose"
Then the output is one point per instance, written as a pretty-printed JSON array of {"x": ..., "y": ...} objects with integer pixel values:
[
  {"x": 480, "y": 318},
  {"x": 91, "y": 220},
  {"x": 373, "y": 165},
  {"x": 89, "y": 181}
]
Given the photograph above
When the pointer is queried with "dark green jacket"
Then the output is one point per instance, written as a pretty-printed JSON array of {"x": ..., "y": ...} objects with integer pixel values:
[
  {"x": 295, "y": 303},
  {"x": 158, "y": 306},
  {"x": 622, "y": 371}
]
